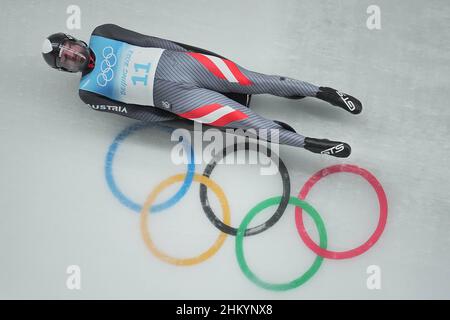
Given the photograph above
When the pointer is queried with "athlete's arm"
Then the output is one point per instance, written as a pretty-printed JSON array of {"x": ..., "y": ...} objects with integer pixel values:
[
  {"x": 142, "y": 113},
  {"x": 116, "y": 32}
]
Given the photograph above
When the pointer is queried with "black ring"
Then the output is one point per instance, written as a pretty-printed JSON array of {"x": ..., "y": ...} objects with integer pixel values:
[{"x": 273, "y": 219}]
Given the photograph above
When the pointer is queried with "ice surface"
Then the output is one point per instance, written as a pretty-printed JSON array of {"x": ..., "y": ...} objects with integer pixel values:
[{"x": 57, "y": 210}]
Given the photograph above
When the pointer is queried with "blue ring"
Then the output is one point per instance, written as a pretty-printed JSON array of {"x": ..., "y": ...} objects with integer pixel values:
[{"x": 124, "y": 199}]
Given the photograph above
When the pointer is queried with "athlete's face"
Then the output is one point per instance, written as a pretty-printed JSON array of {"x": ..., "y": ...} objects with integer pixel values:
[{"x": 73, "y": 56}]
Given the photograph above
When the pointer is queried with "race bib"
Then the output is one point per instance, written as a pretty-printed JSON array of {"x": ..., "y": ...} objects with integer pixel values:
[{"x": 122, "y": 72}]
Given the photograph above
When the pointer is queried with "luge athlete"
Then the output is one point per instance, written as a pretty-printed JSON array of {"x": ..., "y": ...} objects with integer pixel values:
[{"x": 153, "y": 79}]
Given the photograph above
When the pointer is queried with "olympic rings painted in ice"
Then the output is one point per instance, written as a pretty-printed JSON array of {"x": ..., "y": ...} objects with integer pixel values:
[
  {"x": 281, "y": 206},
  {"x": 381, "y": 222},
  {"x": 223, "y": 225},
  {"x": 240, "y": 251},
  {"x": 220, "y": 239},
  {"x": 127, "y": 202}
]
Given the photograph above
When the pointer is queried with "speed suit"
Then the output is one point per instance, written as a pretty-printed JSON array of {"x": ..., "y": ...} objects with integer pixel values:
[{"x": 154, "y": 80}]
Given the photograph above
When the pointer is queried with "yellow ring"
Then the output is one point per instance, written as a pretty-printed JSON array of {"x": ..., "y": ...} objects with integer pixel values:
[{"x": 152, "y": 197}]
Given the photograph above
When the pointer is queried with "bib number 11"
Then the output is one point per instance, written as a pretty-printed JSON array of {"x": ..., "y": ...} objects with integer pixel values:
[{"x": 139, "y": 69}]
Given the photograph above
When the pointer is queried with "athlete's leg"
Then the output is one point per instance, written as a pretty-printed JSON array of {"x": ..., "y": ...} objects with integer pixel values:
[
  {"x": 225, "y": 76},
  {"x": 214, "y": 109}
]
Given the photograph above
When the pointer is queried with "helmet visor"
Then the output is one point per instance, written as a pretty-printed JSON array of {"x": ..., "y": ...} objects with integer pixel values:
[{"x": 73, "y": 56}]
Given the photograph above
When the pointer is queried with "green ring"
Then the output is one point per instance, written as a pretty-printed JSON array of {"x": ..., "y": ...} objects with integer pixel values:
[{"x": 240, "y": 251}]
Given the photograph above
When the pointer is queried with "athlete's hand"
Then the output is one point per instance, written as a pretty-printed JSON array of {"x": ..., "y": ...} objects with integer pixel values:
[
  {"x": 340, "y": 99},
  {"x": 325, "y": 146}
]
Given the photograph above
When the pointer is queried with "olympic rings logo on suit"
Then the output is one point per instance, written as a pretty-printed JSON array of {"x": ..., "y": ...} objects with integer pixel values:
[
  {"x": 223, "y": 224},
  {"x": 109, "y": 61}
]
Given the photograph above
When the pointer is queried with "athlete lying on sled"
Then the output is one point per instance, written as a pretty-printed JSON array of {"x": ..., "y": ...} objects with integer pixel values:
[{"x": 153, "y": 79}]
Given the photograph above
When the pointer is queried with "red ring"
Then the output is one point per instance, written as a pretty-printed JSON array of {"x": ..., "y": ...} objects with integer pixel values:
[{"x": 381, "y": 222}]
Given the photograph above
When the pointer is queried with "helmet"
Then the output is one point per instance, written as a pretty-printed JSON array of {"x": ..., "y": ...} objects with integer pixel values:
[{"x": 64, "y": 52}]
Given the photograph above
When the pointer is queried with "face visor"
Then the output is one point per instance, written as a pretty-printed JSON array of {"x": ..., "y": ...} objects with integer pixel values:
[{"x": 73, "y": 56}]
